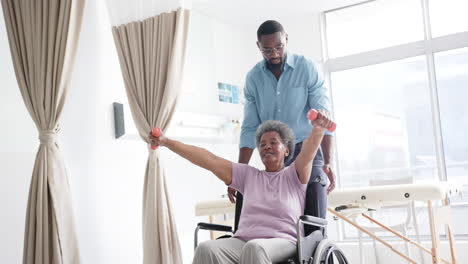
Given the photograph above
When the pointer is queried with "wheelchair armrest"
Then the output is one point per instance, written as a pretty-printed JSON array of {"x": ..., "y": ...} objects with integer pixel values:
[
  {"x": 211, "y": 227},
  {"x": 314, "y": 221},
  {"x": 215, "y": 227}
]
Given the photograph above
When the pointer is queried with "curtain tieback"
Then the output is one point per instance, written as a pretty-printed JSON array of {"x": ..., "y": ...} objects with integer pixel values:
[{"x": 48, "y": 136}]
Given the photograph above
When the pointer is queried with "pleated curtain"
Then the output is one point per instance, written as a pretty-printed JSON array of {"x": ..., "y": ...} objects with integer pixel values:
[
  {"x": 43, "y": 36},
  {"x": 151, "y": 54}
]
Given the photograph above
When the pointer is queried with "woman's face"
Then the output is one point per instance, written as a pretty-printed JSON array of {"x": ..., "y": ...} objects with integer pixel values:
[{"x": 272, "y": 150}]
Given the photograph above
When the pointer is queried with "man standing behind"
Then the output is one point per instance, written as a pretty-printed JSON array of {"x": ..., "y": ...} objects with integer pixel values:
[{"x": 285, "y": 86}]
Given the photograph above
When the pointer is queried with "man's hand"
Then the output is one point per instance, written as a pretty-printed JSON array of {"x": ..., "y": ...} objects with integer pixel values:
[
  {"x": 331, "y": 177},
  {"x": 232, "y": 194}
]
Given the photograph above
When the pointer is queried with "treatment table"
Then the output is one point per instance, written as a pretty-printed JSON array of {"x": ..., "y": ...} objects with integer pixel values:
[{"x": 349, "y": 203}]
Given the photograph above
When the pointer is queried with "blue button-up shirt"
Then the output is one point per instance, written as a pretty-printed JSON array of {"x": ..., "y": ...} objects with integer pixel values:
[{"x": 299, "y": 89}]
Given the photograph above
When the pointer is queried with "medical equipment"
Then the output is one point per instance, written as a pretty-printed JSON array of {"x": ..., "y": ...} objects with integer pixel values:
[{"x": 348, "y": 203}]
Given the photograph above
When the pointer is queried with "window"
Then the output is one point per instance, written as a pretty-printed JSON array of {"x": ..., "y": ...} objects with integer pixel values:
[
  {"x": 448, "y": 16},
  {"x": 373, "y": 25},
  {"x": 384, "y": 114},
  {"x": 452, "y": 86}
]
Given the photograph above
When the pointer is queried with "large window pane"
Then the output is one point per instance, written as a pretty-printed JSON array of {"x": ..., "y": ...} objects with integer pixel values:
[
  {"x": 385, "y": 128},
  {"x": 448, "y": 16},
  {"x": 373, "y": 25},
  {"x": 452, "y": 85}
]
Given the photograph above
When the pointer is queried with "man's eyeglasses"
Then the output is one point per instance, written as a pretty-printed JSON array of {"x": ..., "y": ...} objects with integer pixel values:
[{"x": 269, "y": 51}]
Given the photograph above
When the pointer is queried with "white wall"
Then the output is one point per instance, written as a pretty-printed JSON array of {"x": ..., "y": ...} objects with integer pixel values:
[
  {"x": 298, "y": 19},
  {"x": 216, "y": 52}
]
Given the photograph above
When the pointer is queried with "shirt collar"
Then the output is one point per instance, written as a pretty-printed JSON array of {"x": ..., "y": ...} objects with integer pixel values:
[{"x": 290, "y": 60}]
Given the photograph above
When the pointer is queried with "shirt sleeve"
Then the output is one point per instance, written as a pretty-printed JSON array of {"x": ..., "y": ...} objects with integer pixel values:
[
  {"x": 317, "y": 92},
  {"x": 294, "y": 177},
  {"x": 251, "y": 117},
  {"x": 239, "y": 174}
]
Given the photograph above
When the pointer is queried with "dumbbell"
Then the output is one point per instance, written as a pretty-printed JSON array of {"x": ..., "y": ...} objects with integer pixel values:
[
  {"x": 312, "y": 115},
  {"x": 156, "y": 132}
]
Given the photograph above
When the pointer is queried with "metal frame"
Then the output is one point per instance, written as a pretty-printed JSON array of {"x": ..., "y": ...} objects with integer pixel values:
[
  {"x": 437, "y": 127},
  {"x": 299, "y": 224}
]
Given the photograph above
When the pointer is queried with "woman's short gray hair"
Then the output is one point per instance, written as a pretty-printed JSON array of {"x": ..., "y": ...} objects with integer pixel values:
[{"x": 285, "y": 132}]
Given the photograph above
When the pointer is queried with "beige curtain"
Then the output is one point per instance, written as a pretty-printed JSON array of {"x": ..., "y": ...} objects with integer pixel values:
[
  {"x": 151, "y": 54},
  {"x": 43, "y": 35}
]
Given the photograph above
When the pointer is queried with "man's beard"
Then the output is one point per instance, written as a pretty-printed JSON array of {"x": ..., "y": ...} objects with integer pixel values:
[{"x": 277, "y": 66}]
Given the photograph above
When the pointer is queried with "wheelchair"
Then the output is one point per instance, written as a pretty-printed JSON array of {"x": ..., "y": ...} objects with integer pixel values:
[{"x": 313, "y": 248}]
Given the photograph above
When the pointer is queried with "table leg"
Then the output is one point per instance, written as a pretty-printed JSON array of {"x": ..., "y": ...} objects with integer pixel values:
[
  {"x": 211, "y": 232},
  {"x": 450, "y": 233},
  {"x": 433, "y": 227}
]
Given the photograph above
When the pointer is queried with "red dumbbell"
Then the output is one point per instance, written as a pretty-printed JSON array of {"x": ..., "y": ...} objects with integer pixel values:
[
  {"x": 312, "y": 115},
  {"x": 156, "y": 132}
]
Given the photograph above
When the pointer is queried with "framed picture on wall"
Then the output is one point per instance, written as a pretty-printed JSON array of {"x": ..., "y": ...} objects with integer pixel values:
[{"x": 229, "y": 93}]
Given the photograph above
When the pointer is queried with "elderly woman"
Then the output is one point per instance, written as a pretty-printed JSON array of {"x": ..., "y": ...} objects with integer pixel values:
[{"x": 273, "y": 198}]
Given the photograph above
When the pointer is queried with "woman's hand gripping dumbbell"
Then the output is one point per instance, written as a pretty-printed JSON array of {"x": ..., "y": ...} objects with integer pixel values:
[{"x": 312, "y": 115}]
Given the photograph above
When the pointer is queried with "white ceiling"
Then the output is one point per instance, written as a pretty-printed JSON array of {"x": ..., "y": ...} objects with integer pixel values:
[{"x": 243, "y": 12}]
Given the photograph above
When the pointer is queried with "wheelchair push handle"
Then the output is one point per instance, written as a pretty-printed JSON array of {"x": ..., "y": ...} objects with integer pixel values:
[
  {"x": 312, "y": 115},
  {"x": 155, "y": 131}
]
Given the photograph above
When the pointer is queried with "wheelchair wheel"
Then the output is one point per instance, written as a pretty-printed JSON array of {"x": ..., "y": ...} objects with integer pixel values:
[{"x": 328, "y": 253}]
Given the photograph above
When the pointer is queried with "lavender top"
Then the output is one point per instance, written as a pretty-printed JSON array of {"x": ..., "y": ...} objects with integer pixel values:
[{"x": 273, "y": 202}]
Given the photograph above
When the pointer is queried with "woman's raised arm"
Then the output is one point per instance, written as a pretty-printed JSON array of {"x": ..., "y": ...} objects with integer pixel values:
[
  {"x": 310, "y": 146},
  {"x": 221, "y": 167}
]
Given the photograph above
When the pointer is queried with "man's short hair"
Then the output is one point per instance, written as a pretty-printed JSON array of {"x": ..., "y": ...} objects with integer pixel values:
[{"x": 269, "y": 27}]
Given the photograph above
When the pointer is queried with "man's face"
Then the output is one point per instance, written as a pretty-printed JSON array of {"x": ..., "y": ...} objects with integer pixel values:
[{"x": 273, "y": 48}]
